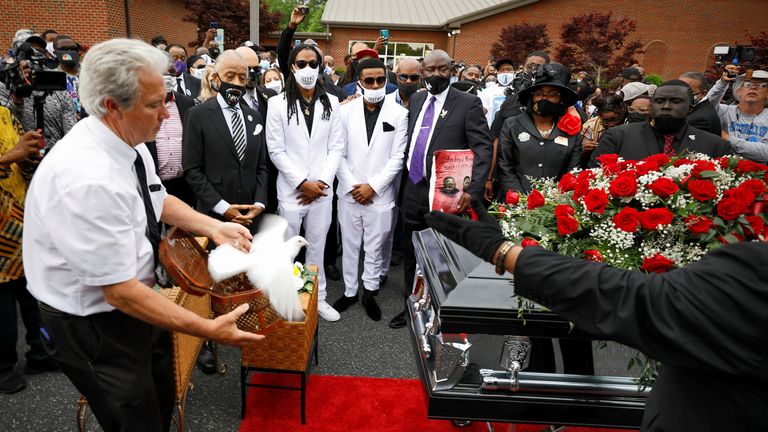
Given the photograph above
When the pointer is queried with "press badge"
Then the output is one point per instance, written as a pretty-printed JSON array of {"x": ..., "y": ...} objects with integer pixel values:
[{"x": 563, "y": 141}]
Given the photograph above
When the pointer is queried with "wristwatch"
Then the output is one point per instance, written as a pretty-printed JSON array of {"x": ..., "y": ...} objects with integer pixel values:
[{"x": 501, "y": 256}]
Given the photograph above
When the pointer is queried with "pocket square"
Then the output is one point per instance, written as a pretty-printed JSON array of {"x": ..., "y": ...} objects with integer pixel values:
[
  {"x": 257, "y": 130},
  {"x": 388, "y": 127}
]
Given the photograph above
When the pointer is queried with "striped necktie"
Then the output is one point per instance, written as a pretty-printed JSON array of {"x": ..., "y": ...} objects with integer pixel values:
[{"x": 238, "y": 134}]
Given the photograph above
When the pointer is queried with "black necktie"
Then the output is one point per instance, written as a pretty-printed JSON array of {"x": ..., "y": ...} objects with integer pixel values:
[{"x": 153, "y": 228}]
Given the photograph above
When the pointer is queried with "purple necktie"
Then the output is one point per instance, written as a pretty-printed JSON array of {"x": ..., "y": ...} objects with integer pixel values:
[{"x": 416, "y": 172}]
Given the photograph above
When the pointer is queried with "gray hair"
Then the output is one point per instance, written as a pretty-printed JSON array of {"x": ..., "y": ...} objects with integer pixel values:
[
  {"x": 225, "y": 55},
  {"x": 112, "y": 69},
  {"x": 700, "y": 77}
]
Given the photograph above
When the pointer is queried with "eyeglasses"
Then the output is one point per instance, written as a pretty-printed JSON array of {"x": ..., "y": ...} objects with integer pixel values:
[
  {"x": 303, "y": 63},
  {"x": 638, "y": 110},
  {"x": 406, "y": 77},
  {"x": 611, "y": 122},
  {"x": 755, "y": 84},
  {"x": 377, "y": 80}
]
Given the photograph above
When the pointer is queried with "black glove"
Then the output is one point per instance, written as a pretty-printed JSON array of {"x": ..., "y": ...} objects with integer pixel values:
[{"x": 482, "y": 237}]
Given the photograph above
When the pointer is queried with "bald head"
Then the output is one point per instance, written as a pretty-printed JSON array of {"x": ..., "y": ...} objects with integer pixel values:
[
  {"x": 438, "y": 56},
  {"x": 408, "y": 65},
  {"x": 251, "y": 58}
]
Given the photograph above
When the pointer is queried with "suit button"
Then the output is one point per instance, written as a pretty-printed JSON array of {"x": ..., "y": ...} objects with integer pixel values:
[
  {"x": 541, "y": 165},
  {"x": 541, "y": 143}
]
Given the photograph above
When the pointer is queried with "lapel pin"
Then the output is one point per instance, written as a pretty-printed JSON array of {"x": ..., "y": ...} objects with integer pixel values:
[
  {"x": 189, "y": 93},
  {"x": 692, "y": 137},
  {"x": 524, "y": 136},
  {"x": 257, "y": 130},
  {"x": 250, "y": 118},
  {"x": 443, "y": 113}
]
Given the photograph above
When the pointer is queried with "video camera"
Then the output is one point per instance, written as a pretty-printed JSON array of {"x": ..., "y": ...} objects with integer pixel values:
[
  {"x": 40, "y": 76},
  {"x": 739, "y": 55}
]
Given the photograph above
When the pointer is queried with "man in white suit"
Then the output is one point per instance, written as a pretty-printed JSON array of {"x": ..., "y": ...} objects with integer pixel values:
[
  {"x": 304, "y": 137},
  {"x": 366, "y": 176}
]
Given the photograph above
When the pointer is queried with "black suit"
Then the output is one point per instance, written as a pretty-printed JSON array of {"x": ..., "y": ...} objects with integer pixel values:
[
  {"x": 636, "y": 141},
  {"x": 263, "y": 95},
  {"x": 177, "y": 187},
  {"x": 211, "y": 164},
  {"x": 462, "y": 127},
  {"x": 705, "y": 323},
  {"x": 704, "y": 117},
  {"x": 192, "y": 85}
]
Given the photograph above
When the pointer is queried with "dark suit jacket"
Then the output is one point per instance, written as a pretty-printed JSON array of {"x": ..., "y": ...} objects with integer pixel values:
[
  {"x": 183, "y": 103},
  {"x": 704, "y": 323},
  {"x": 192, "y": 85},
  {"x": 636, "y": 141},
  {"x": 211, "y": 165},
  {"x": 705, "y": 117},
  {"x": 264, "y": 94},
  {"x": 533, "y": 156},
  {"x": 462, "y": 127}
]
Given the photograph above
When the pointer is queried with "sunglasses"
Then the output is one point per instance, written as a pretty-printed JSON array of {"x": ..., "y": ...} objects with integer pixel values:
[
  {"x": 303, "y": 63},
  {"x": 406, "y": 77},
  {"x": 377, "y": 80}
]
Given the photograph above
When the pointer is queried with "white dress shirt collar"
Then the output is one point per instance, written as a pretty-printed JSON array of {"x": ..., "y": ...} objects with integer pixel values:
[{"x": 119, "y": 150}]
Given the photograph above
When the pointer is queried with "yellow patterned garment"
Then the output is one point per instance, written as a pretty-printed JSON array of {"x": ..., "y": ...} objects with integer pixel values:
[{"x": 13, "y": 187}]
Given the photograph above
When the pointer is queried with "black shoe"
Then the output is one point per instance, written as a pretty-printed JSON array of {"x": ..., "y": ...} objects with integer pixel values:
[
  {"x": 372, "y": 308},
  {"x": 396, "y": 260},
  {"x": 11, "y": 382},
  {"x": 206, "y": 361},
  {"x": 332, "y": 273},
  {"x": 344, "y": 302},
  {"x": 35, "y": 366},
  {"x": 383, "y": 281},
  {"x": 398, "y": 322}
]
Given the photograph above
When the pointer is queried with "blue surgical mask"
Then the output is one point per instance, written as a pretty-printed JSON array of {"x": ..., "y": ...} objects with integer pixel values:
[{"x": 264, "y": 65}]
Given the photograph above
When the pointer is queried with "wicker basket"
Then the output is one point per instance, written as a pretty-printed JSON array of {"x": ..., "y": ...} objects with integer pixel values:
[{"x": 187, "y": 263}]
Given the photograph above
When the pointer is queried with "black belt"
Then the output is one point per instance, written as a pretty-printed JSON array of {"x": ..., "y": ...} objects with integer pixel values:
[{"x": 52, "y": 310}]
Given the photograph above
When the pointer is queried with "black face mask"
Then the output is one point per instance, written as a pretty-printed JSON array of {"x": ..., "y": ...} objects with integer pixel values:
[
  {"x": 407, "y": 90},
  {"x": 546, "y": 108},
  {"x": 668, "y": 124},
  {"x": 436, "y": 84},
  {"x": 231, "y": 93},
  {"x": 254, "y": 77},
  {"x": 636, "y": 117},
  {"x": 68, "y": 58}
]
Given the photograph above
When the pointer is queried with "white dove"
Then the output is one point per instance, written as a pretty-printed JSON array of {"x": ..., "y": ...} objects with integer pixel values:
[{"x": 268, "y": 265}]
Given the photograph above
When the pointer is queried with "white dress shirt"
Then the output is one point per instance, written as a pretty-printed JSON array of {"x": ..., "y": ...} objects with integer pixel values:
[
  {"x": 439, "y": 101},
  {"x": 85, "y": 223},
  {"x": 222, "y": 206}
]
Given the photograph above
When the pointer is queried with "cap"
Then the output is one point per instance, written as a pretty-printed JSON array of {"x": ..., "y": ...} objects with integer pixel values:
[
  {"x": 634, "y": 89},
  {"x": 366, "y": 53},
  {"x": 553, "y": 75},
  {"x": 631, "y": 73},
  {"x": 759, "y": 74},
  {"x": 503, "y": 61}
]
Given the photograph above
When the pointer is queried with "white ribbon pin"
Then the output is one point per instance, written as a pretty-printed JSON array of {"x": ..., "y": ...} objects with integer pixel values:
[
  {"x": 250, "y": 118},
  {"x": 257, "y": 130},
  {"x": 692, "y": 137},
  {"x": 524, "y": 136}
]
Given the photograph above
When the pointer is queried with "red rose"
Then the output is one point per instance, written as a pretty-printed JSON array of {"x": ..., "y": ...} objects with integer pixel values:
[
  {"x": 535, "y": 200},
  {"x": 702, "y": 190},
  {"x": 627, "y": 219},
  {"x": 567, "y": 225},
  {"x": 741, "y": 194},
  {"x": 747, "y": 166},
  {"x": 502, "y": 209},
  {"x": 611, "y": 168},
  {"x": 627, "y": 164},
  {"x": 596, "y": 200},
  {"x": 659, "y": 159},
  {"x": 512, "y": 197},
  {"x": 593, "y": 255},
  {"x": 682, "y": 161},
  {"x": 608, "y": 158},
  {"x": 567, "y": 182},
  {"x": 723, "y": 161},
  {"x": 756, "y": 224},
  {"x": 754, "y": 185},
  {"x": 652, "y": 218},
  {"x": 563, "y": 210},
  {"x": 657, "y": 264},
  {"x": 698, "y": 224},
  {"x": 645, "y": 167},
  {"x": 528, "y": 242},
  {"x": 731, "y": 208},
  {"x": 663, "y": 187},
  {"x": 700, "y": 166},
  {"x": 570, "y": 122},
  {"x": 473, "y": 214},
  {"x": 623, "y": 186},
  {"x": 765, "y": 178}
]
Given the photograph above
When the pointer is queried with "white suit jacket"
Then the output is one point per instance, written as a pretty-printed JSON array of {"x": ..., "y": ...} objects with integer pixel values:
[
  {"x": 299, "y": 155},
  {"x": 379, "y": 162}
]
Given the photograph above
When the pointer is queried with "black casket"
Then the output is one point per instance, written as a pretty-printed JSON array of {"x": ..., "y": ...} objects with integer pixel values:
[{"x": 466, "y": 331}]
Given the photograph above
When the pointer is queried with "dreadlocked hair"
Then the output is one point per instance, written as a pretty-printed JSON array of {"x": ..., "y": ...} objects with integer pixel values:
[{"x": 292, "y": 93}]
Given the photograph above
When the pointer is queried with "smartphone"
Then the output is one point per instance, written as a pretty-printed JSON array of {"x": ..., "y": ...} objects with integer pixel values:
[
  {"x": 214, "y": 25},
  {"x": 297, "y": 42},
  {"x": 384, "y": 33},
  {"x": 304, "y": 10}
]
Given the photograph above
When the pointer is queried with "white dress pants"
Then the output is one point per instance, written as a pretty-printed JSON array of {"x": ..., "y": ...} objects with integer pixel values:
[
  {"x": 316, "y": 219},
  {"x": 370, "y": 225}
]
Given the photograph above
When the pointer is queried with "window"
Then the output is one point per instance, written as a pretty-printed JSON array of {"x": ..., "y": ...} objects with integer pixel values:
[{"x": 390, "y": 52}]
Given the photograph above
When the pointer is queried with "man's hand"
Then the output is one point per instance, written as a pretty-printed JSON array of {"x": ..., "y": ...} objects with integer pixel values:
[
  {"x": 482, "y": 237},
  {"x": 363, "y": 193},
  {"x": 588, "y": 145},
  {"x": 210, "y": 35},
  {"x": 350, "y": 98},
  {"x": 234, "y": 234},
  {"x": 253, "y": 212},
  {"x": 732, "y": 69},
  {"x": 464, "y": 202},
  {"x": 224, "y": 329},
  {"x": 29, "y": 145},
  {"x": 235, "y": 214},
  {"x": 309, "y": 191},
  {"x": 296, "y": 18},
  {"x": 488, "y": 195},
  {"x": 380, "y": 41}
]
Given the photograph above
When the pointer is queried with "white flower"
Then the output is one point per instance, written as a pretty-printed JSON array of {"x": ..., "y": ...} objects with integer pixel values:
[{"x": 524, "y": 136}]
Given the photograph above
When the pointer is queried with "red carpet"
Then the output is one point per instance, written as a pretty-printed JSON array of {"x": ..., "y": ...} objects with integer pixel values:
[{"x": 342, "y": 404}]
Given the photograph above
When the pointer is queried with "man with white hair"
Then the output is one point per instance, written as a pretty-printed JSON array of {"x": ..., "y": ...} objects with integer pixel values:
[{"x": 91, "y": 234}]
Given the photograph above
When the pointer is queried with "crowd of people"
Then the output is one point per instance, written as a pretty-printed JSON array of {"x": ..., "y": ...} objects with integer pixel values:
[{"x": 344, "y": 156}]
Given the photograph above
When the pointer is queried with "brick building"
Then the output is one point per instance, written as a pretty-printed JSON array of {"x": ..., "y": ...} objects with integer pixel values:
[
  {"x": 678, "y": 35},
  {"x": 92, "y": 21}
]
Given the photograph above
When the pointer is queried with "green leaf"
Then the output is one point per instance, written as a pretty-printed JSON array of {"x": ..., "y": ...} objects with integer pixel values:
[
  {"x": 708, "y": 174},
  {"x": 718, "y": 222}
]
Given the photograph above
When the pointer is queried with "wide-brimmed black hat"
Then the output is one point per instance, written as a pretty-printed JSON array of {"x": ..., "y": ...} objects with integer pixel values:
[{"x": 553, "y": 75}]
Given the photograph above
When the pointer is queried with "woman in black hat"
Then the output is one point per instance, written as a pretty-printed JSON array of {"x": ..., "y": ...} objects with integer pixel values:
[{"x": 532, "y": 144}]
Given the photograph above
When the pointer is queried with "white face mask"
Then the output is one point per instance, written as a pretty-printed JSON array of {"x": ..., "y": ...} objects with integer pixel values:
[
  {"x": 491, "y": 84},
  {"x": 306, "y": 77},
  {"x": 374, "y": 96},
  {"x": 170, "y": 83},
  {"x": 328, "y": 70},
  {"x": 505, "y": 78},
  {"x": 275, "y": 85},
  {"x": 197, "y": 73}
]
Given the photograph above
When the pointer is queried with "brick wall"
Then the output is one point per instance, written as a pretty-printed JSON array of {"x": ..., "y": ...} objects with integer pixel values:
[
  {"x": 339, "y": 44},
  {"x": 151, "y": 18}
]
